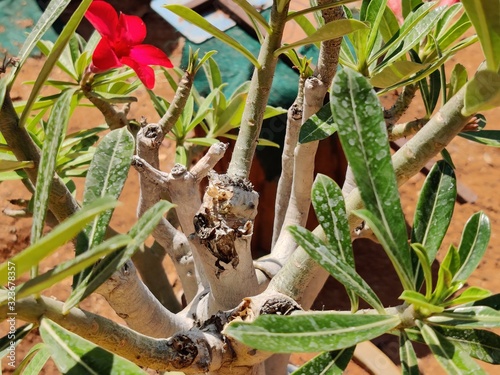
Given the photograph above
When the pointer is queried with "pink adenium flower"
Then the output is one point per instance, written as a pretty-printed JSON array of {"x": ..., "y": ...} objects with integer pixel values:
[
  {"x": 395, "y": 6},
  {"x": 120, "y": 45}
]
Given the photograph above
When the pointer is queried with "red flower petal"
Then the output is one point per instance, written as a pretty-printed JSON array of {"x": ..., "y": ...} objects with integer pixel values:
[
  {"x": 146, "y": 54},
  {"x": 104, "y": 57},
  {"x": 103, "y": 17},
  {"x": 144, "y": 72},
  {"x": 131, "y": 29}
]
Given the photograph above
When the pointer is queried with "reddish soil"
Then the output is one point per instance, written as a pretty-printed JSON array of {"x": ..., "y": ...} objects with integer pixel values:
[{"x": 475, "y": 169}]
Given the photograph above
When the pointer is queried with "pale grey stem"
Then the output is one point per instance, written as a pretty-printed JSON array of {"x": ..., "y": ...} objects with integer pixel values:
[
  {"x": 406, "y": 129},
  {"x": 134, "y": 303}
]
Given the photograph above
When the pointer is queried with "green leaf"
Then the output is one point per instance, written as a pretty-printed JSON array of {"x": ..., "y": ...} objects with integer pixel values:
[
  {"x": 51, "y": 60},
  {"x": 445, "y": 286},
  {"x": 105, "y": 269},
  {"x": 329, "y": 206},
  {"x": 473, "y": 245},
  {"x": 374, "y": 15},
  {"x": 197, "y": 20},
  {"x": 57, "y": 237},
  {"x": 34, "y": 361},
  {"x": 319, "y": 126},
  {"x": 14, "y": 338},
  {"x": 409, "y": 361},
  {"x": 105, "y": 177},
  {"x": 327, "y": 363},
  {"x": 468, "y": 317},
  {"x": 471, "y": 294},
  {"x": 450, "y": 356},
  {"x": 54, "y": 135},
  {"x": 253, "y": 13},
  {"x": 310, "y": 332},
  {"x": 73, "y": 354},
  {"x": 486, "y": 137},
  {"x": 434, "y": 210},
  {"x": 396, "y": 72},
  {"x": 331, "y": 30},
  {"x": 361, "y": 126},
  {"x": 424, "y": 266},
  {"x": 71, "y": 267},
  {"x": 13, "y": 165},
  {"x": 458, "y": 79},
  {"x": 335, "y": 265},
  {"x": 485, "y": 16},
  {"x": 482, "y": 92},
  {"x": 49, "y": 16},
  {"x": 480, "y": 344},
  {"x": 420, "y": 302}
]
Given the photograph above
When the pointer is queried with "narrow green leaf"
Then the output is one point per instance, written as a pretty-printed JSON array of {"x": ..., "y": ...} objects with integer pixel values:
[
  {"x": 482, "y": 92},
  {"x": 468, "y": 317},
  {"x": 197, "y": 20},
  {"x": 471, "y": 294},
  {"x": 374, "y": 15},
  {"x": 396, "y": 72},
  {"x": 458, "y": 28},
  {"x": 57, "y": 237},
  {"x": 72, "y": 266},
  {"x": 335, "y": 265},
  {"x": 480, "y": 344},
  {"x": 319, "y": 126},
  {"x": 14, "y": 338},
  {"x": 310, "y": 332},
  {"x": 445, "y": 286},
  {"x": 59, "y": 46},
  {"x": 112, "y": 262},
  {"x": 389, "y": 25},
  {"x": 434, "y": 210},
  {"x": 409, "y": 361},
  {"x": 253, "y": 13},
  {"x": 361, "y": 126},
  {"x": 486, "y": 137},
  {"x": 13, "y": 165},
  {"x": 485, "y": 16},
  {"x": 73, "y": 354},
  {"x": 54, "y": 136},
  {"x": 327, "y": 363},
  {"x": 450, "y": 356},
  {"x": 3, "y": 89},
  {"x": 420, "y": 302},
  {"x": 473, "y": 245},
  {"x": 329, "y": 206},
  {"x": 331, "y": 30},
  {"x": 49, "y": 16},
  {"x": 105, "y": 177},
  {"x": 424, "y": 266},
  {"x": 34, "y": 361}
]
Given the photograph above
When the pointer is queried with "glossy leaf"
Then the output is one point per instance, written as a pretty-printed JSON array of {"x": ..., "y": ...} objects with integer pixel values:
[
  {"x": 485, "y": 16},
  {"x": 54, "y": 135},
  {"x": 458, "y": 79},
  {"x": 329, "y": 207},
  {"x": 396, "y": 72},
  {"x": 51, "y": 60},
  {"x": 61, "y": 234},
  {"x": 409, "y": 361},
  {"x": 473, "y": 245},
  {"x": 72, "y": 266},
  {"x": 434, "y": 210},
  {"x": 471, "y": 294},
  {"x": 374, "y": 15},
  {"x": 445, "y": 286},
  {"x": 451, "y": 357},
  {"x": 319, "y": 126},
  {"x": 310, "y": 332},
  {"x": 468, "y": 317},
  {"x": 105, "y": 269},
  {"x": 327, "y": 363},
  {"x": 335, "y": 265},
  {"x": 480, "y": 344},
  {"x": 331, "y": 30},
  {"x": 420, "y": 302},
  {"x": 197, "y": 20},
  {"x": 73, "y": 354},
  {"x": 361, "y": 126},
  {"x": 482, "y": 92},
  {"x": 424, "y": 267}
]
